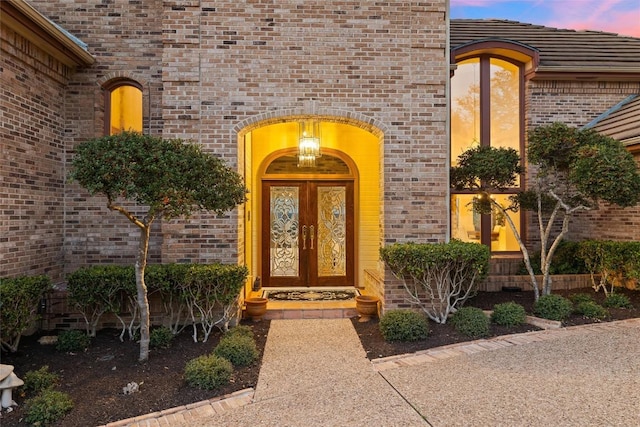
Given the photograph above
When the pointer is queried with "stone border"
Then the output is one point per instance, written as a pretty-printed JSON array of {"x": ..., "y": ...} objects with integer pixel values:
[
  {"x": 182, "y": 414},
  {"x": 503, "y": 341}
]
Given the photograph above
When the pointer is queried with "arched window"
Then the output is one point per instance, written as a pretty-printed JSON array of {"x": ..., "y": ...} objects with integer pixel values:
[
  {"x": 123, "y": 109},
  {"x": 486, "y": 109}
]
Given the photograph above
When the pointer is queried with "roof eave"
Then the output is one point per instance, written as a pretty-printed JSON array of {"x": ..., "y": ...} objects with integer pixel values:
[
  {"x": 586, "y": 73},
  {"x": 73, "y": 53}
]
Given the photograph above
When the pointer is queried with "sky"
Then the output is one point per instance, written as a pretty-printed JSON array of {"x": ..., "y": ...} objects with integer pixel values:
[{"x": 615, "y": 16}]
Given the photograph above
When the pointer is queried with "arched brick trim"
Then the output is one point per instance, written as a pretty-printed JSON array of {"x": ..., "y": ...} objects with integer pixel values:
[
  {"x": 122, "y": 76},
  {"x": 359, "y": 120},
  {"x": 502, "y": 47},
  {"x": 118, "y": 78}
]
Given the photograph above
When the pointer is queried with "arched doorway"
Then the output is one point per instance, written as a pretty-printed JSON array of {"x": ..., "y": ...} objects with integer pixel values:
[
  {"x": 308, "y": 221},
  {"x": 356, "y": 144}
]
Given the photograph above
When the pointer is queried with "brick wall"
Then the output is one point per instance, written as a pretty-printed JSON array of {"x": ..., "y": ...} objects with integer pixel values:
[
  {"x": 207, "y": 67},
  {"x": 31, "y": 158},
  {"x": 577, "y": 103}
]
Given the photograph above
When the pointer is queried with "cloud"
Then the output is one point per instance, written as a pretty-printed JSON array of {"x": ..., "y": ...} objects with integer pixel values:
[{"x": 616, "y": 16}]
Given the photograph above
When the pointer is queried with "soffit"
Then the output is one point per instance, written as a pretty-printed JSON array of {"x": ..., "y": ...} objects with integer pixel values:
[{"x": 22, "y": 18}]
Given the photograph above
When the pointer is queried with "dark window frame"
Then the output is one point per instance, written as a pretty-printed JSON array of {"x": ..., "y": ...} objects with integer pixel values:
[
  {"x": 485, "y": 135},
  {"x": 107, "y": 89}
]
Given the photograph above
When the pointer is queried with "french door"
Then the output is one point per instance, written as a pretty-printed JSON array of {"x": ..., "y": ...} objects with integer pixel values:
[{"x": 307, "y": 233}]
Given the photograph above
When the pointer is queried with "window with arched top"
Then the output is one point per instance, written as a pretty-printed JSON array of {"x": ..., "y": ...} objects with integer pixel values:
[
  {"x": 123, "y": 110},
  {"x": 486, "y": 109}
]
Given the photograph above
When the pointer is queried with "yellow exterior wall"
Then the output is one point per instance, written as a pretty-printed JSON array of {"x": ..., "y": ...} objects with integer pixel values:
[{"x": 361, "y": 146}]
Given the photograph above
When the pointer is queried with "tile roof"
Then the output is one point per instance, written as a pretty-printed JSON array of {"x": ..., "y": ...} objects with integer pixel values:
[
  {"x": 559, "y": 49},
  {"x": 621, "y": 122}
]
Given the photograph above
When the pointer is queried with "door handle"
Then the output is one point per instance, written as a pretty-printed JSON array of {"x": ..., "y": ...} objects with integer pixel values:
[
  {"x": 304, "y": 237},
  {"x": 313, "y": 234}
]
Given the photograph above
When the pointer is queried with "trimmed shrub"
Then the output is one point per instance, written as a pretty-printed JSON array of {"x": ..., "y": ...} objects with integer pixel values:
[
  {"x": 239, "y": 349},
  {"x": 19, "y": 298},
  {"x": 508, "y": 314},
  {"x": 553, "y": 307},
  {"x": 577, "y": 299},
  {"x": 208, "y": 372},
  {"x": 160, "y": 337},
  {"x": 617, "y": 301},
  {"x": 47, "y": 407},
  {"x": 241, "y": 330},
  {"x": 438, "y": 276},
  {"x": 592, "y": 310},
  {"x": 403, "y": 325},
  {"x": 73, "y": 340},
  {"x": 471, "y": 321},
  {"x": 39, "y": 380},
  {"x": 564, "y": 260}
]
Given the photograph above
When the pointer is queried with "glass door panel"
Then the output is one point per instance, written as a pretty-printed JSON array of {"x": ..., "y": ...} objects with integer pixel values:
[{"x": 307, "y": 233}]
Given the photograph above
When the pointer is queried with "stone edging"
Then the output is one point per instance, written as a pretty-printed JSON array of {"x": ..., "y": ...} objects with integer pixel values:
[
  {"x": 503, "y": 341},
  {"x": 186, "y": 412}
]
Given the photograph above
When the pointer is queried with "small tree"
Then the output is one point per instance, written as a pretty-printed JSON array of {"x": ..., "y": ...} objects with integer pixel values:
[
  {"x": 575, "y": 170},
  {"x": 171, "y": 178}
]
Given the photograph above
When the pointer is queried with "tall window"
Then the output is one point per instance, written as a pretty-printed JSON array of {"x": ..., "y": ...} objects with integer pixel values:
[
  {"x": 123, "y": 108},
  {"x": 486, "y": 95}
]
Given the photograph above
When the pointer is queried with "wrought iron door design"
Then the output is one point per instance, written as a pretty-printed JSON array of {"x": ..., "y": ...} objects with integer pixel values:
[{"x": 307, "y": 237}]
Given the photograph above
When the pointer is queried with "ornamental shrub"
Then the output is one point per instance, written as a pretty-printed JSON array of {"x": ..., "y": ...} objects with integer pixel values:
[
  {"x": 471, "y": 321},
  {"x": 160, "y": 337},
  {"x": 73, "y": 340},
  {"x": 39, "y": 380},
  {"x": 580, "y": 298},
  {"x": 617, "y": 301},
  {"x": 508, "y": 314},
  {"x": 19, "y": 299},
  {"x": 239, "y": 349},
  {"x": 208, "y": 372},
  {"x": 403, "y": 325},
  {"x": 438, "y": 276},
  {"x": 47, "y": 407},
  {"x": 592, "y": 310},
  {"x": 240, "y": 330},
  {"x": 553, "y": 307}
]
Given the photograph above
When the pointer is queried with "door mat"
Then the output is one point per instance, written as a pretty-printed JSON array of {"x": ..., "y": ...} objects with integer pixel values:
[{"x": 310, "y": 294}]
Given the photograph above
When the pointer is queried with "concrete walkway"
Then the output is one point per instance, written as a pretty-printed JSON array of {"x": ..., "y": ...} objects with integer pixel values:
[{"x": 315, "y": 373}]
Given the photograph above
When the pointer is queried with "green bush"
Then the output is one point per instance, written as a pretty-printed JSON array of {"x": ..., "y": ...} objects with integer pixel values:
[
  {"x": 403, "y": 325},
  {"x": 447, "y": 272},
  {"x": 564, "y": 260},
  {"x": 592, "y": 310},
  {"x": 19, "y": 301},
  {"x": 241, "y": 330},
  {"x": 471, "y": 321},
  {"x": 208, "y": 372},
  {"x": 39, "y": 380},
  {"x": 580, "y": 298},
  {"x": 47, "y": 407},
  {"x": 617, "y": 301},
  {"x": 508, "y": 314},
  {"x": 101, "y": 289},
  {"x": 617, "y": 263},
  {"x": 160, "y": 337},
  {"x": 553, "y": 307},
  {"x": 239, "y": 349},
  {"x": 73, "y": 340}
]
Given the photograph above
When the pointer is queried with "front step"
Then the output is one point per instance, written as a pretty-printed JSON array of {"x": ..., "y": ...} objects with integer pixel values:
[{"x": 310, "y": 310}]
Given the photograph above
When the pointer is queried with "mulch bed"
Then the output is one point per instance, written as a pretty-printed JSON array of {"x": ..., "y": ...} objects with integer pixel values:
[
  {"x": 440, "y": 335},
  {"x": 94, "y": 379}
]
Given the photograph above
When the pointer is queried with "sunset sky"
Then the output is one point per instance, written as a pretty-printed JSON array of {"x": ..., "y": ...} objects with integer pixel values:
[{"x": 616, "y": 16}]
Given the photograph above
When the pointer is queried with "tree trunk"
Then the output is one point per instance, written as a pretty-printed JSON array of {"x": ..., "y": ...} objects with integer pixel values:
[
  {"x": 143, "y": 301},
  {"x": 525, "y": 252}
]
